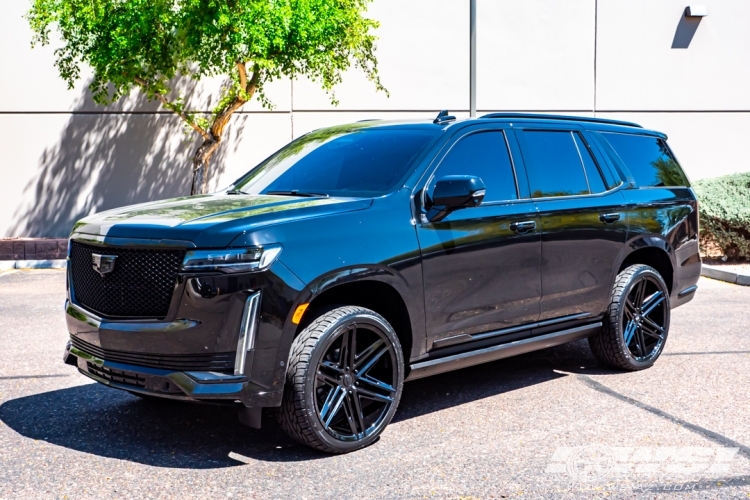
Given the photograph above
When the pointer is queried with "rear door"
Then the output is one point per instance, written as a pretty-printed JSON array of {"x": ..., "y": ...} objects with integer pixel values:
[
  {"x": 481, "y": 264},
  {"x": 583, "y": 222}
]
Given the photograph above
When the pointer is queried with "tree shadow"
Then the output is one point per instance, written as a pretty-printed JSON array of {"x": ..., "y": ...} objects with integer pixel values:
[
  {"x": 128, "y": 153},
  {"x": 110, "y": 423}
]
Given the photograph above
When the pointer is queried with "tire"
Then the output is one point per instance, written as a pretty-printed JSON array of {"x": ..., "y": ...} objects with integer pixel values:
[
  {"x": 636, "y": 325},
  {"x": 339, "y": 403}
]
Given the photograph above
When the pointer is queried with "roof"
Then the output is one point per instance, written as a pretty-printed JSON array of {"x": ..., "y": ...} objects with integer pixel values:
[{"x": 601, "y": 124}]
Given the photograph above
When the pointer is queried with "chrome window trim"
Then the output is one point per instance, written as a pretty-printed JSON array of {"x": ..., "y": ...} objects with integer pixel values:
[{"x": 503, "y": 131}]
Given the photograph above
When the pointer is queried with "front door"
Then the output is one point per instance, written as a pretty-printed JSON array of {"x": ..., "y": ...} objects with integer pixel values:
[
  {"x": 481, "y": 264},
  {"x": 583, "y": 222}
]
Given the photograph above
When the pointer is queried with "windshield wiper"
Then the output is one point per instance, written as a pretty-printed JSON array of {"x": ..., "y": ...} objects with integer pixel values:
[
  {"x": 235, "y": 191},
  {"x": 294, "y": 192}
]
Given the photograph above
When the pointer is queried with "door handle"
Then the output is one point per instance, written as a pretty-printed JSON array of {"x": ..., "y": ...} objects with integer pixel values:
[
  {"x": 523, "y": 227},
  {"x": 609, "y": 218}
]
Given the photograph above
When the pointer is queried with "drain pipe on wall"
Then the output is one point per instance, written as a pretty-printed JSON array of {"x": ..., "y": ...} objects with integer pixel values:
[{"x": 473, "y": 58}]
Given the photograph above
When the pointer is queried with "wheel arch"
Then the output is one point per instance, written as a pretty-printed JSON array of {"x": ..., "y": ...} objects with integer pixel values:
[
  {"x": 377, "y": 288},
  {"x": 651, "y": 251}
]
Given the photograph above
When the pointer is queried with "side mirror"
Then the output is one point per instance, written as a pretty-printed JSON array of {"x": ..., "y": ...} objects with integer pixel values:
[{"x": 453, "y": 192}]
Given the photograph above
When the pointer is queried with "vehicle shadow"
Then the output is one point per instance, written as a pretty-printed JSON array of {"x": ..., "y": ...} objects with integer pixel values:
[{"x": 95, "y": 419}]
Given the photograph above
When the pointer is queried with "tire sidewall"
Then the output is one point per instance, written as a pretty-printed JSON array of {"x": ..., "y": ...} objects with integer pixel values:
[
  {"x": 324, "y": 342},
  {"x": 644, "y": 271}
]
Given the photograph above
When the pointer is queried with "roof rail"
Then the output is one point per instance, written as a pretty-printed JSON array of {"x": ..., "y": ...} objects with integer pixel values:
[{"x": 561, "y": 117}]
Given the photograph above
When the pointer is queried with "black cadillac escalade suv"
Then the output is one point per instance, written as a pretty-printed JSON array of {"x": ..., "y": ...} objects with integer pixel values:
[{"x": 362, "y": 256}]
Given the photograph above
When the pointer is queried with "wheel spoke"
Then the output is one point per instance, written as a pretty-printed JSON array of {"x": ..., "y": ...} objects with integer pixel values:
[
  {"x": 653, "y": 324},
  {"x": 638, "y": 345},
  {"x": 327, "y": 379},
  {"x": 629, "y": 305},
  {"x": 373, "y": 359},
  {"x": 368, "y": 379},
  {"x": 336, "y": 408},
  {"x": 352, "y": 348},
  {"x": 349, "y": 410},
  {"x": 344, "y": 351},
  {"x": 629, "y": 332},
  {"x": 629, "y": 310},
  {"x": 329, "y": 401},
  {"x": 640, "y": 291},
  {"x": 651, "y": 333},
  {"x": 367, "y": 352},
  {"x": 652, "y": 303},
  {"x": 358, "y": 411},
  {"x": 642, "y": 334},
  {"x": 374, "y": 395},
  {"x": 331, "y": 366}
]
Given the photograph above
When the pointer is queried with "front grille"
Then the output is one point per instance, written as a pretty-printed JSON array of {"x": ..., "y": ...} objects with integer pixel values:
[
  {"x": 140, "y": 285},
  {"x": 216, "y": 362},
  {"x": 117, "y": 376}
]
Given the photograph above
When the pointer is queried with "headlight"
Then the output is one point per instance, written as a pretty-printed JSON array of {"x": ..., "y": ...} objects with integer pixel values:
[{"x": 231, "y": 260}]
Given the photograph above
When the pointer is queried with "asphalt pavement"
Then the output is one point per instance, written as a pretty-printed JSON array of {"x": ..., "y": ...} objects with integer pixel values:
[{"x": 550, "y": 424}]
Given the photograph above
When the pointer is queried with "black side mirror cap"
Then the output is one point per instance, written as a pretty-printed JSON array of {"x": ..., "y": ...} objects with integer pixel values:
[{"x": 453, "y": 192}]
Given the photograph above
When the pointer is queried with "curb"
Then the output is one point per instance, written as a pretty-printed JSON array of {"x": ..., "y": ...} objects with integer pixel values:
[
  {"x": 722, "y": 275},
  {"x": 6, "y": 265}
]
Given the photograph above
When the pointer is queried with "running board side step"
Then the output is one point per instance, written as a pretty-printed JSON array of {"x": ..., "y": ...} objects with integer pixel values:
[{"x": 471, "y": 358}]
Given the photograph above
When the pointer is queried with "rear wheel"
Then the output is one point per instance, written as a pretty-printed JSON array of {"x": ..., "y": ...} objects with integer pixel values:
[
  {"x": 343, "y": 382},
  {"x": 637, "y": 321}
]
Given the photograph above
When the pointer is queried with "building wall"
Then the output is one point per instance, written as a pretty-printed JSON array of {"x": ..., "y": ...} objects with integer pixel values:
[{"x": 639, "y": 60}]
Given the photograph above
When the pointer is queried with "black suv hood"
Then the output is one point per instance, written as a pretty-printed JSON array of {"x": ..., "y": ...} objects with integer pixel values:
[{"x": 210, "y": 221}]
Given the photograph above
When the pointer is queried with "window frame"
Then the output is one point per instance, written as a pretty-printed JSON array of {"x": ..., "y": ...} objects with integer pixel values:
[
  {"x": 631, "y": 178},
  {"x": 462, "y": 134},
  {"x": 597, "y": 160}
]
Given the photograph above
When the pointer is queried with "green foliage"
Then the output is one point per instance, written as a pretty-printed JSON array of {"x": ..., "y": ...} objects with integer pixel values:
[
  {"x": 150, "y": 43},
  {"x": 724, "y": 204}
]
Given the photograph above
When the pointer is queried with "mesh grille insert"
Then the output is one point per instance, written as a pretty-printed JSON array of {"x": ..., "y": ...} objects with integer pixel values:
[{"x": 140, "y": 285}]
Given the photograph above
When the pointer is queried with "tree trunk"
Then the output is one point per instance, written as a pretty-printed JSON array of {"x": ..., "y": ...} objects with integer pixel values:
[
  {"x": 212, "y": 137},
  {"x": 201, "y": 161}
]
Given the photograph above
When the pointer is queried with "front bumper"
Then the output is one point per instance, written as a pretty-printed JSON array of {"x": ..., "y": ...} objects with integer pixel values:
[
  {"x": 209, "y": 387},
  {"x": 197, "y": 352}
]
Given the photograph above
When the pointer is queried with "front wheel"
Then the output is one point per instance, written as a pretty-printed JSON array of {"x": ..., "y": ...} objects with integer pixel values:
[
  {"x": 637, "y": 321},
  {"x": 343, "y": 382}
]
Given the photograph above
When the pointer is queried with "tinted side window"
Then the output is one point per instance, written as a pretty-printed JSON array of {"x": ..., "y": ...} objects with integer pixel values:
[
  {"x": 484, "y": 154},
  {"x": 553, "y": 164},
  {"x": 648, "y": 159},
  {"x": 593, "y": 174}
]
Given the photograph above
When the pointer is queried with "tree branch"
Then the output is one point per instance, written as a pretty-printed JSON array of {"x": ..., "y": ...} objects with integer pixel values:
[
  {"x": 222, "y": 118},
  {"x": 170, "y": 106},
  {"x": 243, "y": 75}
]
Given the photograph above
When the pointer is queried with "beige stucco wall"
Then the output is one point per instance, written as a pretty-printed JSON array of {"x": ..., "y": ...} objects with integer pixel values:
[{"x": 65, "y": 157}]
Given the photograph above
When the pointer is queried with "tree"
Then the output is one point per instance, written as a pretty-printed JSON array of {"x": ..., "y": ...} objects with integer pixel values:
[{"x": 152, "y": 44}]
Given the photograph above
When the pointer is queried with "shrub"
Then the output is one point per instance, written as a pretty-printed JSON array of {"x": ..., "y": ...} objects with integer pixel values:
[{"x": 725, "y": 216}]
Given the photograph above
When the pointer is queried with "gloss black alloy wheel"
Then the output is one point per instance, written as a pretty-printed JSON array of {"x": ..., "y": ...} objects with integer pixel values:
[
  {"x": 643, "y": 319},
  {"x": 344, "y": 380},
  {"x": 637, "y": 321}
]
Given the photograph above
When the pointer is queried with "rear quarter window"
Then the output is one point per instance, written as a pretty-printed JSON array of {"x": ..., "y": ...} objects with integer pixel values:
[{"x": 648, "y": 159}]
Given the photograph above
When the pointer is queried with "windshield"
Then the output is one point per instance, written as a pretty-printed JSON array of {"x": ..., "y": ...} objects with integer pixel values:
[{"x": 339, "y": 161}]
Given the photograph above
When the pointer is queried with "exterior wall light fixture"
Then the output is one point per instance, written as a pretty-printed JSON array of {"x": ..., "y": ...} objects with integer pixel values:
[{"x": 696, "y": 11}]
